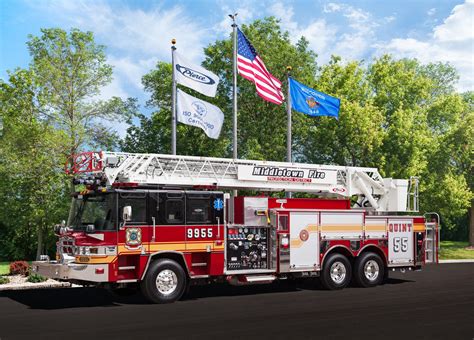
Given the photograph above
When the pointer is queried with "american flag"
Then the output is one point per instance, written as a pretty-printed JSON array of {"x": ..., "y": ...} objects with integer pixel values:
[{"x": 251, "y": 67}]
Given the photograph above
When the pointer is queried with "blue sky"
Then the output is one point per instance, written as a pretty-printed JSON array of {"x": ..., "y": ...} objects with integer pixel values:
[{"x": 138, "y": 33}]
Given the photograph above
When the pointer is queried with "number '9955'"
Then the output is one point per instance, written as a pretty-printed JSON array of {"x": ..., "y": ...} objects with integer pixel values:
[{"x": 199, "y": 233}]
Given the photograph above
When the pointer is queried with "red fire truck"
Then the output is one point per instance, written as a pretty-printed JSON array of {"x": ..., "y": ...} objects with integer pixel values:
[{"x": 163, "y": 223}]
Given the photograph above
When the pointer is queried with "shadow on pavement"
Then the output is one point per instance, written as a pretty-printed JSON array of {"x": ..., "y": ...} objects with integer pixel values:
[
  {"x": 63, "y": 298},
  {"x": 394, "y": 281},
  {"x": 219, "y": 290}
]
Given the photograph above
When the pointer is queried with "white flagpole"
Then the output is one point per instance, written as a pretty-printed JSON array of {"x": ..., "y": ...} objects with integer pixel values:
[
  {"x": 173, "y": 100},
  {"x": 234, "y": 91},
  {"x": 288, "y": 128}
]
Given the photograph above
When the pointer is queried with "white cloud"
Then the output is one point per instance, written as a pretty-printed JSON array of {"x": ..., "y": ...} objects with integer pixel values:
[
  {"x": 114, "y": 89},
  {"x": 452, "y": 41},
  {"x": 320, "y": 35},
  {"x": 350, "y": 40},
  {"x": 356, "y": 15},
  {"x": 431, "y": 11},
  {"x": 285, "y": 14},
  {"x": 331, "y": 7},
  {"x": 318, "y": 32},
  {"x": 139, "y": 37},
  {"x": 246, "y": 13},
  {"x": 458, "y": 26},
  {"x": 133, "y": 30},
  {"x": 389, "y": 19}
]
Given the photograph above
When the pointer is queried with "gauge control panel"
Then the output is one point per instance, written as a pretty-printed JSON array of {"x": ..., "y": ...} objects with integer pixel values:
[{"x": 247, "y": 248}]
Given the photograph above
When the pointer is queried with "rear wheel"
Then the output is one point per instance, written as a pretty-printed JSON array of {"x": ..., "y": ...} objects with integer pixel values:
[
  {"x": 369, "y": 270},
  {"x": 165, "y": 281},
  {"x": 336, "y": 273}
]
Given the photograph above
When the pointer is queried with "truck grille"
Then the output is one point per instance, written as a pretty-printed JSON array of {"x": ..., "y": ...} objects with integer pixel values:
[{"x": 66, "y": 246}]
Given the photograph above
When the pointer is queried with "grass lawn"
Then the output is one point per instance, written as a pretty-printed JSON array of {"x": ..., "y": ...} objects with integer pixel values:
[
  {"x": 4, "y": 268},
  {"x": 452, "y": 250}
]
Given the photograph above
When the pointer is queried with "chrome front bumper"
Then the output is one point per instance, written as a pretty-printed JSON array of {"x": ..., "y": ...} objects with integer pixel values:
[{"x": 72, "y": 271}]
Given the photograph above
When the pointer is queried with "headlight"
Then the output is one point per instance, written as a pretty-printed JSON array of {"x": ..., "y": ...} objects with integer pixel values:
[{"x": 94, "y": 250}]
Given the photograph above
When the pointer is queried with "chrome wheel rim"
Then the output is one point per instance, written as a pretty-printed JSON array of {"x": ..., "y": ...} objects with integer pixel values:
[
  {"x": 338, "y": 272},
  {"x": 166, "y": 282},
  {"x": 371, "y": 270}
]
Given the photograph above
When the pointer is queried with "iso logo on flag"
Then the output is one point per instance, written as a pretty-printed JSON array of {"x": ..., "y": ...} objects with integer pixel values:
[{"x": 200, "y": 108}]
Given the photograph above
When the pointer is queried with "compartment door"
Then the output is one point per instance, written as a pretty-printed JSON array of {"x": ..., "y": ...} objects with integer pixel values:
[
  {"x": 304, "y": 241},
  {"x": 400, "y": 242}
]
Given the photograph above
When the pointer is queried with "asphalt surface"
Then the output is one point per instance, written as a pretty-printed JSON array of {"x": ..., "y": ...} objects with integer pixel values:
[{"x": 437, "y": 303}]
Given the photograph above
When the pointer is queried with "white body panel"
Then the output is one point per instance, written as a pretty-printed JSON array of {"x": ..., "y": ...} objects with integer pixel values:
[
  {"x": 304, "y": 241},
  {"x": 251, "y": 205},
  {"x": 342, "y": 225},
  {"x": 400, "y": 242},
  {"x": 397, "y": 194},
  {"x": 375, "y": 228}
]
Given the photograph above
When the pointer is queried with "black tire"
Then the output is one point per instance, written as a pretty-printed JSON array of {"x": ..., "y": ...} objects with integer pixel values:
[
  {"x": 375, "y": 271},
  {"x": 336, "y": 262},
  {"x": 168, "y": 269}
]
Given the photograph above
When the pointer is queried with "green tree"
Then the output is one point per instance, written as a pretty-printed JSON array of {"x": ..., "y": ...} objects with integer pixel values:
[
  {"x": 49, "y": 113},
  {"x": 451, "y": 165},
  {"x": 70, "y": 69},
  {"x": 32, "y": 183},
  {"x": 356, "y": 137}
]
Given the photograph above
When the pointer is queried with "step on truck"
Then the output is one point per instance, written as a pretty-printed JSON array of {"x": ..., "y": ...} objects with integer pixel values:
[{"x": 162, "y": 223}]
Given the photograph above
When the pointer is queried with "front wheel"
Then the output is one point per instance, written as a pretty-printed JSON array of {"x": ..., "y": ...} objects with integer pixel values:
[
  {"x": 165, "y": 281},
  {"x": 336, "y": 272}
]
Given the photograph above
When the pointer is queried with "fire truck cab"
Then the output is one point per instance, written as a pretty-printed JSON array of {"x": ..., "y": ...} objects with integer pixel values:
[{"x": 131, "y": 232}]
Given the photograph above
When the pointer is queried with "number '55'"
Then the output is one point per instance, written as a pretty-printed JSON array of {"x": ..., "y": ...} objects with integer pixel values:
[{"x": 400, "y": 244}]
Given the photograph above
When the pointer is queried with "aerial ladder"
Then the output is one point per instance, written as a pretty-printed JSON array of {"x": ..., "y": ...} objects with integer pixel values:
[{"x": 368, "y": 189}]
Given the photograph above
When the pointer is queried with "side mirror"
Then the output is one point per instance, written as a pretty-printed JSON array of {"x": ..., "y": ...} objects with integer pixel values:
[
  {"x": 90, "y": 228},
  {"x": 127, "y": 213}
]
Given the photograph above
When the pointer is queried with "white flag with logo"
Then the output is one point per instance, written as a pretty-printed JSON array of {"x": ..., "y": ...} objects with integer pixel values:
[
  {"x": 197, "y": 112},
  {"x": 195, "y": 76}
]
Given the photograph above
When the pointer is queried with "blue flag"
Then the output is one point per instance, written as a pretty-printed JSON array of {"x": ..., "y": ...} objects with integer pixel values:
[{"x": 311, "y": 102}]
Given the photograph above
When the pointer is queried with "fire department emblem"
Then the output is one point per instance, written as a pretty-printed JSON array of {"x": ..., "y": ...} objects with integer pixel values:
[
  {"x": 134, "y": 236},
  {"x": 304, "y": 235},
  {"x": 312, "y": 103}
]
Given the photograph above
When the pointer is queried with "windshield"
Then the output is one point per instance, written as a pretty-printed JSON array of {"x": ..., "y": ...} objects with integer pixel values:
[{"x": 97, "y": 210}]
